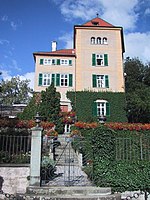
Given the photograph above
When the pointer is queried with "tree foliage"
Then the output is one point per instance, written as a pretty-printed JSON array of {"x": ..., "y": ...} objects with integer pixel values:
[
  {"x": 47, "y": 103},
  {"x": 137, "y": 85},
  {"x": 50, "y": 104},
  {"x": 15, "y": 91},
  {"x": 32, "y": 108},
  {"x": 115, "y": 165}
]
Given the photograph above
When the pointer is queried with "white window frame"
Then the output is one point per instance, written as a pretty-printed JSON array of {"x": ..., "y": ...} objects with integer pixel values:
[
  {"x": 47, "y": 61},
  {"x": 101, "y": 107},
  {"x": 92, "y": 40},
  {"x": 64, "y": 62},
  {"x": 64, "y": 80},
  {"x": 98, "y": 40},
  {"x": 100, "y": 81},
  {"x": 99, "y": 59},
  {"x": 47, "y": 79},
  {"x": 67, "y": 128},
  {"x": 105, "y": 41}
]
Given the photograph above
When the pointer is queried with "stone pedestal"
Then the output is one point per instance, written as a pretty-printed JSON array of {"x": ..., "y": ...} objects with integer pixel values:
[{"x": 35, "y": 161}]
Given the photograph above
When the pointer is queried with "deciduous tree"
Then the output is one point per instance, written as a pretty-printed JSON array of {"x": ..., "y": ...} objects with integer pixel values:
[
  {"x": 137, "y": 86},
  {"x": 15, "y": 91}
]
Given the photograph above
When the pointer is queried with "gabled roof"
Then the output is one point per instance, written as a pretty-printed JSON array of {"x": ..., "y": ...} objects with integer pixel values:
[
  {"x": 61, "y": 52},
  {"x": 98, "y": 22}
]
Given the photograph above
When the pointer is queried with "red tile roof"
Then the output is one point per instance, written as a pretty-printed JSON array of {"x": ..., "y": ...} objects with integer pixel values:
[
  {"x": 61, "y": 52},
  {"x": 97, "y": 22}
]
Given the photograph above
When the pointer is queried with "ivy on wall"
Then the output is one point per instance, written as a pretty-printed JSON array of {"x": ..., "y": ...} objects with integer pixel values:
[{"x": 82, "y": 103}]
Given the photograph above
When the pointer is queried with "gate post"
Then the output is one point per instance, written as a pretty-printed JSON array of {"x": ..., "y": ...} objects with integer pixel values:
[{"x": 35, "y": 161}]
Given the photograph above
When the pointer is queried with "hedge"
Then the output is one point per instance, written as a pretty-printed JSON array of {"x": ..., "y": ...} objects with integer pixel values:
[{"x": 121, "y": 175}]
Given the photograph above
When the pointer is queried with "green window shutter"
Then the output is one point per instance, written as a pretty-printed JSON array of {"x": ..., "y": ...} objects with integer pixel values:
[
  {"x": 93, "y": 59},
  {"x": 107, "y": 109},
  {"x": 94, "y": 109},
  {"x": 105, "y": 59},
  {"x": 70, "y": 80},
  {"x": 70, "y": 62},
  {"x": 41, "y": 61},
  {"x": 94, "y": 80},
  {"x": 40, "y": 79},
  {"x": 53, "y": 61},
  {"x": 57, "y": 79},
  {"x": 53, "y": 79},
  {"x": 58, "y": 61},
  {"x": 106, "y": 81}
]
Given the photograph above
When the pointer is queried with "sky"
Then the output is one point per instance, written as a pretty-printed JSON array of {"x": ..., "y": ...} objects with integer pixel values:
[{"x": 28, "y": 26}]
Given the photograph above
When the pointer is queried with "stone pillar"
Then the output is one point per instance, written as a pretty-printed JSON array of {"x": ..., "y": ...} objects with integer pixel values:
[{"x": 35, "y": 161}]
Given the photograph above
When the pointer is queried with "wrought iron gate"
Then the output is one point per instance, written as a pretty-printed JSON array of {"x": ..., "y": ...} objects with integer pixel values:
[{"x": 63, "y": 165}]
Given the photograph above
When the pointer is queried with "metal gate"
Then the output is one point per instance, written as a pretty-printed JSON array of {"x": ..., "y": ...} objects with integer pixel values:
[{"x": 63, "y": 164}]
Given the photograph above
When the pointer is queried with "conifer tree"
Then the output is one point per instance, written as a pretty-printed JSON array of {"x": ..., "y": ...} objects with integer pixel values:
[{"x": 50, "y": 104}]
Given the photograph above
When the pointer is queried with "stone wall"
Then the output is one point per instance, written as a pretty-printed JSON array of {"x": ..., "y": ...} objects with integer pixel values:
[{"x": 15, "y": 179}]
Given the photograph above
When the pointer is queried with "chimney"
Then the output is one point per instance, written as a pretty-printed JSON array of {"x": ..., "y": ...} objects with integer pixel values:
[{"x": 54, "y": 45}]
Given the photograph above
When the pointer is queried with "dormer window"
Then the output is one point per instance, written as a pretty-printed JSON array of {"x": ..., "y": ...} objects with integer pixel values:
[{"x": 95, "y": 23}]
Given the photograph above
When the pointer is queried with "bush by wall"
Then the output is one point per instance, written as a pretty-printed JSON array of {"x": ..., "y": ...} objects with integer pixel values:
[
  {"x": 16, "y": 123},
  {"x": 120, "y": 174},
  {"x": 82, "y": 102}
]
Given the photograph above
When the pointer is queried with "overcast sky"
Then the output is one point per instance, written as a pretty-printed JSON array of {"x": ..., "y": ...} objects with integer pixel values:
[{"x": 28, "y": 26}]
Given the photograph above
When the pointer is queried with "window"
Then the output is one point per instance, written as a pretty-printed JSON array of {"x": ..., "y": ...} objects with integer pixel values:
[
  {"x": 47, "y": 62},
  {"x": 64, "y": 62},
  {"x": 105, "y": 40},
  {"x": 92, "y": 40},
  {"x": 52, "y": 61},
  {"x": 64, "y": 80},
  {"x": 46, "y": 79},
  {"x": 95, "y": 23},
  {"x": 100, "y": 81},
  {"x": 64, "y": 108},
  {"x": 99, "y": 60},
  {"x": 98, "y": 40},
  {"x": 58, "y": 79},
  {"x": 101, "y": 108},
  {"x": 67, "y": 128}
]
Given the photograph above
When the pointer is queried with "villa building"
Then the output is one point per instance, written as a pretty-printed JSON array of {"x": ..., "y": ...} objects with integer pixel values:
[{"x": 94, "y": 64}]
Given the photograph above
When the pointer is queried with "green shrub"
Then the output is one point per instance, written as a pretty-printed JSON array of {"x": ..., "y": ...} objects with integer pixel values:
[{"x": 107, "y": 171}]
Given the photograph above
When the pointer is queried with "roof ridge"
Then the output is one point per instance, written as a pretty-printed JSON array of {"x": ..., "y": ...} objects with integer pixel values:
[{"x": 97, "y": 22}]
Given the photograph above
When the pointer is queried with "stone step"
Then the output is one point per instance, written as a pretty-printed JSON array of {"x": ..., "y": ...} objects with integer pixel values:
[
  {"x": 73, "y": 190},
  {"x": 74, "y": 193},
  {"x": 45, "y": 197}
]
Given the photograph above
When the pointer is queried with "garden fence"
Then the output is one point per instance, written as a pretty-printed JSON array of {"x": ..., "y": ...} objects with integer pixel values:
[
  {"x": 15, "y": 149},
  {"x": 133, "y": 148}
]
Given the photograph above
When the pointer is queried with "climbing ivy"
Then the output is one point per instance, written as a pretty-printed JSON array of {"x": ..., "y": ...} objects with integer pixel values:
[{"x": 82, "y": 103}]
